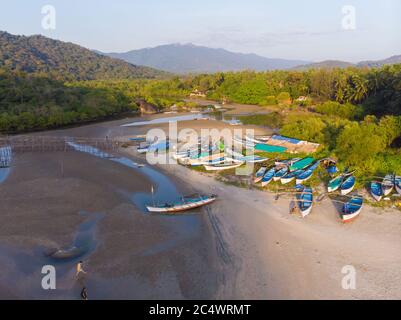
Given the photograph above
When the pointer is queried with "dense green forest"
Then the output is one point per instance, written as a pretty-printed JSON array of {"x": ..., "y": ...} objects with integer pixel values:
[
  {"x": 64, "y": 61},
  {"x": 354, "y": 113},
  {"x": 29, "y": 102}
]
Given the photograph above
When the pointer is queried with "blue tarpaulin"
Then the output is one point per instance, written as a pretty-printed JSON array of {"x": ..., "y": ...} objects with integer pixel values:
[{"x": 290, "y": 140}]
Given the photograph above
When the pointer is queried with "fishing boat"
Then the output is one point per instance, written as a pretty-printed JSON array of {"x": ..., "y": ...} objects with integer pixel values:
[
  {"x": 202, "y": 158},
  {"x": 304, "y": 176},
  {"x": 209, "y": 162},
  {"x": 288, "y": 177},
  {"x": 305, "y": 199},
  {"x": 141, "y": 138},
  {"x": 238, "y": 157},
  {"x": 268, "y": 177},
  {"x": 252, "y": 139},
  {"x": 301, "y": 164},
  {"x": 347, "y": 186},
  {"x": 376, "y": 190},
  {"x": 335, "y": 183},
  {"x": 186, "y": 203},
  {"x": 280, "y": 173},
  {"x": 286, "y": 162},
  {"x": 352, "y": 208},
  {"x": 223, "y": 166},
  {"x": 259, "y": 174},
  {"x": 388, "y": 184},
  {"x": 397, "y": 183},
  {"x": 154, "y": 147},
  {"x": 332, "y": 169},
  {"x": 246, "y": 144}
]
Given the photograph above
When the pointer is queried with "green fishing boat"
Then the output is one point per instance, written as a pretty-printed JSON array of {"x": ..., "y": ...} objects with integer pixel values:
[
  {"x": 335, "y": 183},
  {"x": 301, "y": 164}
]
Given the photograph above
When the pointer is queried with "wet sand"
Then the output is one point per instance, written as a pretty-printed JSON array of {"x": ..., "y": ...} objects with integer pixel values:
[{"x": 48, "y": 197}]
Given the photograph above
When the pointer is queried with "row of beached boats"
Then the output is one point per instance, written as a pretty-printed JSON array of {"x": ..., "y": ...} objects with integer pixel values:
[
  {"x": 216, "y": 158},
  {"x": 301, "y": 170},
  {"x": 381, "y": 189},
  {"x": 344, "y": 182},
  {"x": 286, "y": 171}
]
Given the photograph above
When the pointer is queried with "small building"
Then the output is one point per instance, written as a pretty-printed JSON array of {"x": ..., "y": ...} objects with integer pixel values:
[{"x": 197, "y": 94}]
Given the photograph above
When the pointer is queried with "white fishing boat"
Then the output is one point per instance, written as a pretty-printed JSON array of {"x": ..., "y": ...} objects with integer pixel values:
[
  {"x": 223, "y": 166},
  {"x": 252, "y": 139},
  {"x": 186, "y": 203},
  {"x": 388, "y": 184}
]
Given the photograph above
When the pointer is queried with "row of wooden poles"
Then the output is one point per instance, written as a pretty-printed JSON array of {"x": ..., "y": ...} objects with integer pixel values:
[{"x": 18, "y": 144}]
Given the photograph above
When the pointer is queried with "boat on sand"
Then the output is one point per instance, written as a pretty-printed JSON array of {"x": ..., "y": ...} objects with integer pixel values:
[
  {"x": 352, "y": 208},
  {"x": 259, "y": 174},
  {"x": 268, "y": 177},
  {"x": 186, "y": 203},
  {"x": 347, "y": 185},
  {"x": 223, "y": 166},
  {"x": 376, "y": 190},
  {"x": 388, "y": 184},
  {"x": 305, "y": 199}
]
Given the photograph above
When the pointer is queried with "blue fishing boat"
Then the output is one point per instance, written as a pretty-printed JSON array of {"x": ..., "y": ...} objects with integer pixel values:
[
  {"x": 304, "y": 176},
  {"x": 259, "y": 174},
  {"x": 268, "y": 177},
  {"x": 376, "y": 190},
  {"x": 397, "y": 183},
  {"x": 331, "y": 169},
  {"x": 305, "y": 199},
  {"x": 288, "y": 177},
  {"x": 347, "y": 186},
  {"x": 280, "y": 173},
  {"x": 352, "y": 208}
]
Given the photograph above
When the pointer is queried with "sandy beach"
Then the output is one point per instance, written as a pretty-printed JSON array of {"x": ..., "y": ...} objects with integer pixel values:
[{"x": 243, "y": 246}]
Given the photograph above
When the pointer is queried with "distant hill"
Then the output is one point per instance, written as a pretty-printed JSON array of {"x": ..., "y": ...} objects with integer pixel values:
[
  {"x": 189, "y": 58},
  {"x": 62, "y": 60},
  {"x": 328, "y": 64},
  {"x": 379, "y": 63}
]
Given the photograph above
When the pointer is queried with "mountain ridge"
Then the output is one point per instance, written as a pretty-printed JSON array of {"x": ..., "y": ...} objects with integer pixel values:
[
  {"x": 64, "y": 60},
  {"x": 191, "y": 58}
]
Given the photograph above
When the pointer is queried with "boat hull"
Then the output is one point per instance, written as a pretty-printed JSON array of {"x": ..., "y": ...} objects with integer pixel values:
[
  {"x": 285, "y": 180},
  {"x": 346, "y": 191},
  {"x": 398, "y": 186},
  {"x": 304, "y": 213},
  {"x": 222, "y": 167},
  {"x": 376, "y": 196},
  {"x": 350, "y": 216},
  {"x": 183, "y": 207}
]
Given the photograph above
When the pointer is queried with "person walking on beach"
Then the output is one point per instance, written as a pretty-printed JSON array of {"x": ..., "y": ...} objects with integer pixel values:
[
  {"x": 79, "y": 268},
  {"x": 84, "y": 294}
]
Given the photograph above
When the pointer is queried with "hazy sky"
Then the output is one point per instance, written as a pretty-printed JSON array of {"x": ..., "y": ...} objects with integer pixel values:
[{"x": 294, "y": 29}]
